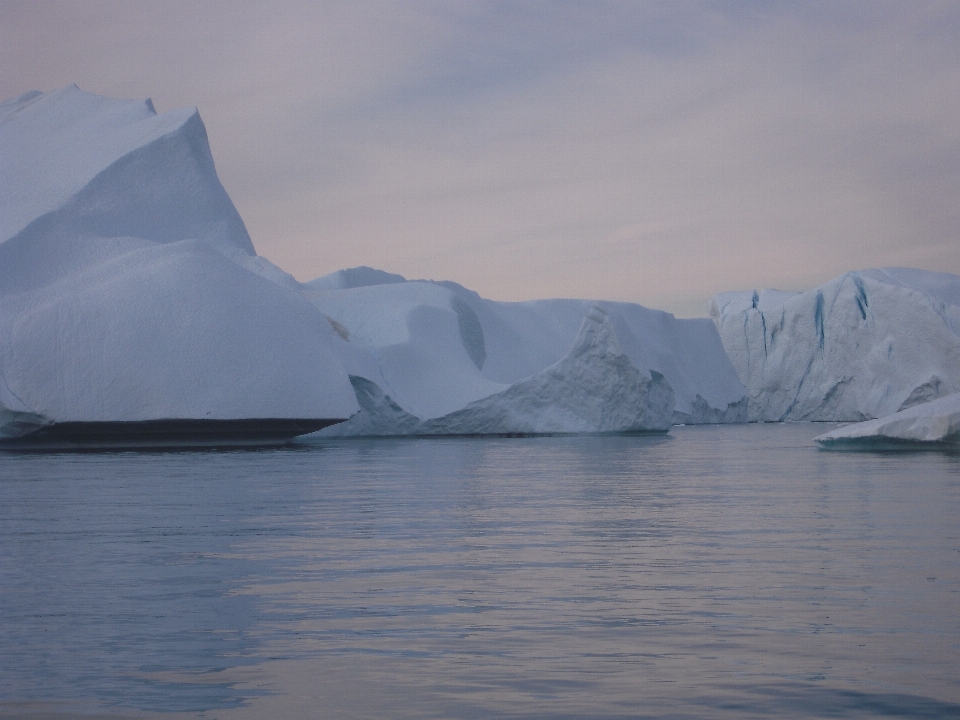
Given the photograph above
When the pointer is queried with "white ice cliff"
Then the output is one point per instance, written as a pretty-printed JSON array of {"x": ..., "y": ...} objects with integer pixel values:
[
  {"x": 861, "y": 346},
  {"x": 934, "y": 422},
  {"x": 129, "y": 288}
]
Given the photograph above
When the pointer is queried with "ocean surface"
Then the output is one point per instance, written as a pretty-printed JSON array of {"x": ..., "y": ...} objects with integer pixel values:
[{"x": 716, "y": 572}]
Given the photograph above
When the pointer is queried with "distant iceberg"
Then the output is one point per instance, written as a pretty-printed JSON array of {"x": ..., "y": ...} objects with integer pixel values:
[
  {"x": 861, "y": 346},
  {"x": 932, "y": 423}
]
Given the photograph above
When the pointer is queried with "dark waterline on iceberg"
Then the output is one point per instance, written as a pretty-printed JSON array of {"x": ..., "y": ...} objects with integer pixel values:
[
  {"x": 716, "y": 572},
  {"x": 183, "y": 433}
]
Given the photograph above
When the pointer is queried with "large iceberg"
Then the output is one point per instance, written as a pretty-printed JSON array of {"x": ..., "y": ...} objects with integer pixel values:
[
  {"x": 438, "y": 354},
  {"x": 932, "y": 423},
  {"x": 595, "y": 388},
  {"x": 130, "y": 293},
  {"x": 864, "y": 345},
  {"x": 129, "y": 287}
]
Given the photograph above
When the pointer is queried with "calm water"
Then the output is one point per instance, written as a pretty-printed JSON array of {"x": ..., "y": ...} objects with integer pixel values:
[{"x": 720, "y": 572}]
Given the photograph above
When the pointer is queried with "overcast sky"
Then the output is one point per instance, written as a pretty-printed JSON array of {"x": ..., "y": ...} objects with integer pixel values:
[{"x": 651, "y": 152}]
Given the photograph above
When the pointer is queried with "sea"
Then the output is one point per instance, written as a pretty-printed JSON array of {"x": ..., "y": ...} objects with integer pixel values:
[{"x": 713, "y": 572}]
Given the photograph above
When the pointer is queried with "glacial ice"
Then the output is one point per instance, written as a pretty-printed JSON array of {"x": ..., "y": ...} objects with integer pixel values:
[
  {"x": 933, "y": 422},
  {"x": 131, "y": 291},
  {"x": 129, "y": 287},
  {"x": 362, "y": 276},
  {"x": 469, "y": 348},
  {"x": 593, "y": 389},
  {"x": 861, "y": 346},
  {"x": 414, "y": 343}
]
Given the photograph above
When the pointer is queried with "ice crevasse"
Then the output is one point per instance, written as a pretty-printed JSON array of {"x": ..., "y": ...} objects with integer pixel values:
[{"x": 864, "y": 345}]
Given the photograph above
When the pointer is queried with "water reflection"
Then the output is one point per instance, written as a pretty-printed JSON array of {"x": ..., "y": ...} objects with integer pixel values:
[
  {"x": 117, "y": 570},
  {"x": 720, "y": 572}
]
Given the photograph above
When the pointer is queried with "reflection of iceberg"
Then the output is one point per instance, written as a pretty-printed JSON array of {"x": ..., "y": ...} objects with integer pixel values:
[
  {"x": 863, "y": 345},
  {"x": 934, "y": 422},
  {"x": 129, "y": 288}
]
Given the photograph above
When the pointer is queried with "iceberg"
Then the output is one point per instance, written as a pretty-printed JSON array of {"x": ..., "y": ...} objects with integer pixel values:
[
  {"x": 936, "y": 422},
  {"x": 134, "y": 308},
  {"x": 412, "y": 339},
  {"x": 864, "y": 345},
  {"x": 593, "y": 389},
  {"x": 438, "y": 348},
  {"x": 130, "y": 291}
]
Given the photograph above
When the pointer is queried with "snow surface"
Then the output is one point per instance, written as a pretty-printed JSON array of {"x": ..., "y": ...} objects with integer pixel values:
[
  {"x": 77, "y": 164},
  {"x": 936, "y": 421},
  {"x": 439, "y": 346},
  {"x": 353, "y": 277},
  {"x": 861, "y": 346},
  {"x": 412, "y": 334},
  {"x": 129, "y": 288}
]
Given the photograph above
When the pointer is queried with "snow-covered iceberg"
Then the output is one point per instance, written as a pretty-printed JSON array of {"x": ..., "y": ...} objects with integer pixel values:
[
  {"x": 861, "y": 346},
  {"x": 129, "y": 287},
  {"x": 130, "y": 292},
  {"x": 595, "y": 388},
  {"x": 436, "y": 348},
  {"x": 414, "y": 340},
  {"x": 931, "y": 423}
]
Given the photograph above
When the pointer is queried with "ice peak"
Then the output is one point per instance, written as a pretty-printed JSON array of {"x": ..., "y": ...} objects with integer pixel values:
[
  {"x": 355, "y": 277},
  {"x": 74, "y": 164},
  {"x": 596, "y": 334}
]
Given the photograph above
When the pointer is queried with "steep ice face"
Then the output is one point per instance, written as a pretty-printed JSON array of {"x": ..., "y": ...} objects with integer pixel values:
[
  {"x": 379, "y": 415},
  {"x": 863, "y": 345},
  {"x": 932, "y": 422},
  {"x": 74, "y": 165},
  {"x": 594, "y": 389},
  {"x": 128, "y": 285}
]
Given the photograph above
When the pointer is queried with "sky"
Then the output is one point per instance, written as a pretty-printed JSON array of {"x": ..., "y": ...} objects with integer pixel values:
[{"x": 651, "y": 152}]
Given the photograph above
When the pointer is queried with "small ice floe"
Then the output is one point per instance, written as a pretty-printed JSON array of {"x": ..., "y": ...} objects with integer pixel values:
[{"x": 935, "y": 423}]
